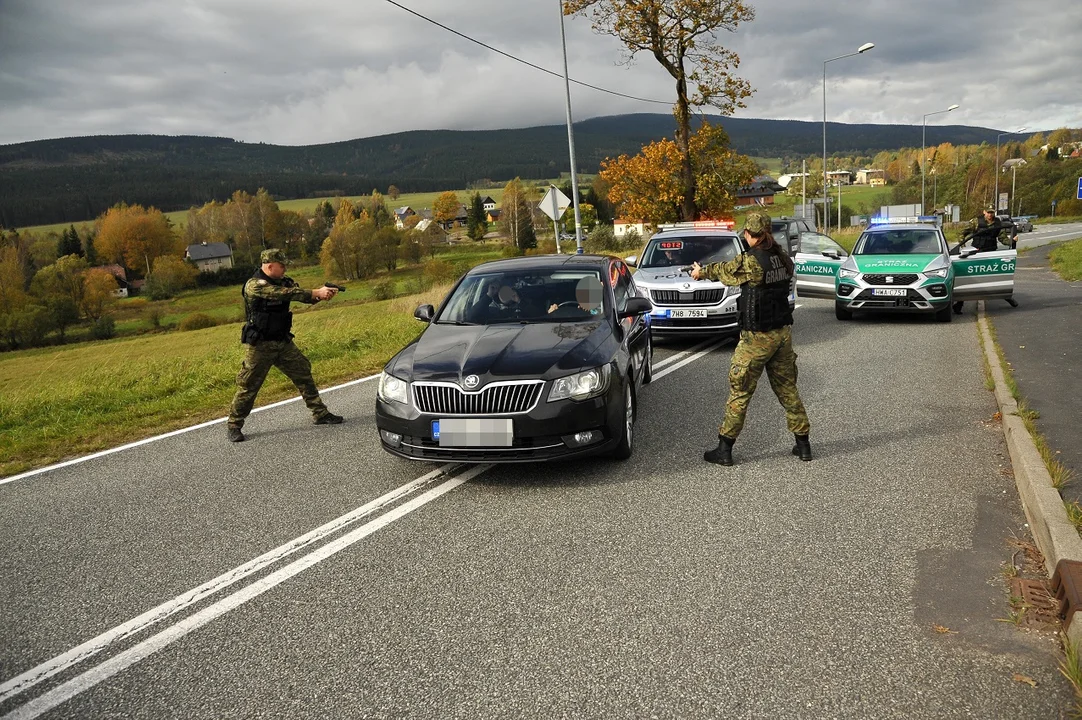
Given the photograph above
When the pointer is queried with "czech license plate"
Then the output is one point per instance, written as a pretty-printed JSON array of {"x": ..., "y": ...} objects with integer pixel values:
[
  {"x": 890, "y": 292},
  {"x": 473, "y": 432},
  {"x": 687, "y": 313}
]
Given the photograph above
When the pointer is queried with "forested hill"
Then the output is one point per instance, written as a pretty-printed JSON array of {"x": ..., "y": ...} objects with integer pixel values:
[{"x": 73, "y": 179}]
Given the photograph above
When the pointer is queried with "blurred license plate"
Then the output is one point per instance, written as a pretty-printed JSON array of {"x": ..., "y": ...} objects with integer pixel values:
[
  {"x": 687, "y": 313},
  {"x": 890, "y": 292},
  {"x": 472, "y": 432}
]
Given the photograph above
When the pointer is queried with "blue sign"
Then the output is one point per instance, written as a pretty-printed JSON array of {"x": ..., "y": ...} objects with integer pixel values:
[{"x": 1080, "y": 188}]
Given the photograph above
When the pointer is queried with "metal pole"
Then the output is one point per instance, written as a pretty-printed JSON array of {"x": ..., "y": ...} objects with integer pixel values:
[
  {"x": 803, "y": 187},
  {"x": 571, "y": 139},
  {"x": 826, "y": 221},
  {"x": 555, "y": 214},
  {"x": 923, "y": 134},
  {"x": 995, "y": 200},
  {"x": 839, "y": 204},
  {"x": 1014, "y": 178}
]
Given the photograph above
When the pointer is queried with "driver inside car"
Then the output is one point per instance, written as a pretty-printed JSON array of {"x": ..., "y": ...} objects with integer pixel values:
[{"x": 587, "y": 299}]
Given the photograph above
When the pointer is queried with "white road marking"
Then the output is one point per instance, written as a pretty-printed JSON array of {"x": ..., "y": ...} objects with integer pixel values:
[
  {"x": 151, "y": 645},
  {"x": 32, "y": 677},
  {"x": 677, "y": 356},
  {"x": 173, "y": 433},
  {"x": 693, "y": 358}
]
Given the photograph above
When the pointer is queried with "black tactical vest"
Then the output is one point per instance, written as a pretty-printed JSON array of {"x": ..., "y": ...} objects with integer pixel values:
[
  {"x": 266, "y": 319},
  {"x": 766, "y": 306}
]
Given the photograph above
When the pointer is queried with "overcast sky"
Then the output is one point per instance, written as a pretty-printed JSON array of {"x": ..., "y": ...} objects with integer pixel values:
[{"x": 296, "y": 73}]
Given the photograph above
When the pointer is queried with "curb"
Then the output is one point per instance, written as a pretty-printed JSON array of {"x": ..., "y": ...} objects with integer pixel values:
[{"x": 1057, "y": 538}]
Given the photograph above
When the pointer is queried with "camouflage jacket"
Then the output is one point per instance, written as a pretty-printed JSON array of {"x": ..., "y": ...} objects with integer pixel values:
[
  {"x": 287, "y": 290},
  {"x": 744, "y": 268}
]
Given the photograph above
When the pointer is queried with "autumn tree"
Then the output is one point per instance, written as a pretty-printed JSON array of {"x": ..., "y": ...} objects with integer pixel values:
[
  {"x": 682, "y": 36},
  {"x": 374, "y": 207},
  {"x": 476, "y": 222},
  {"x": 134, "y": 236},
  {"x": 516, "y": 215},
  {"x": 171, "y": 275},
  {"x": 99, "y": 288},
  {"x": 60, "y": 289},
  {"x": 649, "y": 186},
  {"x": 392, "y": 192},
  {"x": 445, "y": 209}
]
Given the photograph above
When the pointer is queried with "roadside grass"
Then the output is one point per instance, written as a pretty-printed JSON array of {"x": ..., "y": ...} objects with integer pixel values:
[
  {"x": 1060, "y": 474},
  {"x": 73, "y": 400},
  {"x": 1066, "y": 260},
  {"x": 1071, "y": 668},
  {"x": 1058, "y": 220}
]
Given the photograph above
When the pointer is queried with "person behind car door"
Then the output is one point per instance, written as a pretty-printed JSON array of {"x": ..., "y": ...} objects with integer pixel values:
[
  {"x": 764, "y": 273},
  {"x": 268, "y": 341},
  {"x": 983, "y": 234}
]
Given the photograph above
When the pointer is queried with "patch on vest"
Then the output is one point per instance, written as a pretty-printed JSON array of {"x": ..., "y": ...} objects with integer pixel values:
[
  {"x": 260, "y": 282},
  {"x": 777, "y": 272}
]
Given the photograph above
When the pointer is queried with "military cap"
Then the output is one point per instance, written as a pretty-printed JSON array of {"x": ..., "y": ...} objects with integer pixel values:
[
  {"x": 757, "y": 222},
  {"x": 990, "y": 208},
  {"x": 273, "y": 255}
]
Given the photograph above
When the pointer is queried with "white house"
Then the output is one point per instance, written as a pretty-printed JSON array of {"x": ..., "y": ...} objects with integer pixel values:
[
  {"x": 621, "y": 227},
  {"x": 210, "y": 257}
]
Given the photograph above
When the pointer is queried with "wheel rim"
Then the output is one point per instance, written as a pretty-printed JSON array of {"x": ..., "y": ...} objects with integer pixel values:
[{"x": 629, "y": 415}]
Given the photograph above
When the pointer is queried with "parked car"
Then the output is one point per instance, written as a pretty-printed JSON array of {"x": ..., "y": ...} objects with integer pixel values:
[
  {"x": 527, "y": 359},
  {"x": 904, "y": 267},
  {"x": 680, "y": 305}
]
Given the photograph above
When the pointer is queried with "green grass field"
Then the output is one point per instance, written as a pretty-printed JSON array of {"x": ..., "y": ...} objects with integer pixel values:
[{"x": 1067, "y": 260}]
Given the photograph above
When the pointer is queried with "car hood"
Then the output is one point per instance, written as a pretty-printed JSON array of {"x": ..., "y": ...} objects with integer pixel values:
[
  {"x": 504, "y": 351},
  {"x": 893, "y": 263},
  {"x": 671, "y": 277}
]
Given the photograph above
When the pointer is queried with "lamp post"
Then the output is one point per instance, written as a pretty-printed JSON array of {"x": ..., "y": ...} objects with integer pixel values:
[
  {"x": 995, "y": 200},
  {"x": 923, "y": 133},
  {"x": 863, "y": 48},
  {"x": 571, "y": 139}
]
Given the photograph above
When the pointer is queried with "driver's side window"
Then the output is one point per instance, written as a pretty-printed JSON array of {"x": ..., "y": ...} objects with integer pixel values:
[{"x": 621, "y": 286}]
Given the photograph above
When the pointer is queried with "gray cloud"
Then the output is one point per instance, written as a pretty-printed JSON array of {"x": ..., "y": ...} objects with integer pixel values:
[{"x": 293, "y": 73}]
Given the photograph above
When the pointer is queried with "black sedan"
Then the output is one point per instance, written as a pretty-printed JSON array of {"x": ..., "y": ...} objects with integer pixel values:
[{"x": 527, "y": 359}]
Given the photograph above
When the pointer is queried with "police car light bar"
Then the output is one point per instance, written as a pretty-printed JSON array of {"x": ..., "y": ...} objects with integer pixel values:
[
  {"x": 719, "y": 224},
  {"x": 900, "y": 220}
]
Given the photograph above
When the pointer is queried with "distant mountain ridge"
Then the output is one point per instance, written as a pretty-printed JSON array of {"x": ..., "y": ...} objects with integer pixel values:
[{"x": 75, "y": 179}]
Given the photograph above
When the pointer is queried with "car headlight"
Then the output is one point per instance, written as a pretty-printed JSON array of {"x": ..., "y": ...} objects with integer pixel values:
[
  {"x": 581, "y": 385},
  {"x": 937, "y": 273},
  {"x": 392, "y": 389},
  {"x": 847, "y": 274}
]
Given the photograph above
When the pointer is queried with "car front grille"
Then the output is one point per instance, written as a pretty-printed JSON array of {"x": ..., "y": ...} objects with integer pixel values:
[
  {"x": 696, "y": 297},
  {"x": 901, "y": 279},
  {"x": 510, "y": 398}
]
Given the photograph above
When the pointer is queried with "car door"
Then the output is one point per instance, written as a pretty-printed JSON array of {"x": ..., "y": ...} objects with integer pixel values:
[
  {"x": 984, "y": 275},
  {"x": 816, "y": 265},
  {"x": 636, "y": 329}
]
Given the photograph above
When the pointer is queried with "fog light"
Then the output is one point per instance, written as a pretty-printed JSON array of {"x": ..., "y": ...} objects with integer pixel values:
[
  {"x": 937, "y": 290},
  {"x": 587, "y": 437},
  {"x": 845, "y": 290},
  {"x": 393, "y": 439},
  {"x": 584, "y": 437}
]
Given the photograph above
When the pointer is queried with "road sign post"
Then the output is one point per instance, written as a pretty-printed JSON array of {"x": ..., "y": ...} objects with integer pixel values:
[{"x": 554, "y": 204}]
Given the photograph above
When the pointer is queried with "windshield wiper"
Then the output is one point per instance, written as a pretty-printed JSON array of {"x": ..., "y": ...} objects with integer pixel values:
[{"x": 459, "y": 323}]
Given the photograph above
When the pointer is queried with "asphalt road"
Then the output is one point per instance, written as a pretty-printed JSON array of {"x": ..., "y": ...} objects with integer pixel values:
[{"x": 658, "y": 587}]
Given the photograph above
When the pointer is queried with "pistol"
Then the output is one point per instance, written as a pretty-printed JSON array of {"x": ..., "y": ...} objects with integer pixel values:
[{"x": 339, "y": 288}]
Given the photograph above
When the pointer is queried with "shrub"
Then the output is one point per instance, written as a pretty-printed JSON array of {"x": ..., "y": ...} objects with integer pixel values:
[
  {"x": 383, "y": 290},
  {"x": 197, "y": 321},
  {"x": 437, "y": 272},
  {"x": 103, "y": 328},
  {"x": 154, "y": 317}
]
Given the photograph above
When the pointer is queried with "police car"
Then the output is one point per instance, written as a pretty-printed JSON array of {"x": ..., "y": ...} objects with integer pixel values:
[
  {"x": 682, "y": 305},
  {"x": 904, "y": 265}
]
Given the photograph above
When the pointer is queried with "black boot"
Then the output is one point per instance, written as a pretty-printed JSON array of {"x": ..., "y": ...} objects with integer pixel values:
[
  {"x": 958, "y": 308},
  {"x": 802, "y": 449},
  {"x": 234, "y": 434},
  {"x": 1012, "y": 302},
  {"x": 722, "y": 454}
]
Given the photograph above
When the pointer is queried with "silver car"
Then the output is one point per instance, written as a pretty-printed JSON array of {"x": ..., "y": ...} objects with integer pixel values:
[{"x": 683, "y": 306}]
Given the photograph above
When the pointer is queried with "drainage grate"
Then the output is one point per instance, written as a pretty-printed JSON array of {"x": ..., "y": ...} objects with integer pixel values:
[
  {"x": 1067, "y": 587},
  {"x": 1041, "y": 608}
]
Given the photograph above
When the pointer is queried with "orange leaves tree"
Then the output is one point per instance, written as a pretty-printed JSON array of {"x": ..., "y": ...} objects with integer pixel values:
[
  {"x": 682, "y": 36},
  {"x": 134, "y": 236},
  {"x": 650, "y": 186}
]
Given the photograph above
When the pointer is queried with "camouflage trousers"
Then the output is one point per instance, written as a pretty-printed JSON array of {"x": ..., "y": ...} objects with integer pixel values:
[
  {"x": 258, "y": 360},
  {"x": 772, "y": 350}
]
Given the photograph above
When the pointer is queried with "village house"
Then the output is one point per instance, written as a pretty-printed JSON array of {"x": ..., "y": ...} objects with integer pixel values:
[
  {"x": 400, "y": 215},
  {"x": 210, "y": 257}
]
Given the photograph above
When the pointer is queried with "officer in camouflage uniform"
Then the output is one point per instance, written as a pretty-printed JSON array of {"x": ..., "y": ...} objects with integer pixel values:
[
  {"x": 268, "y": 341},
  {"x": 764, "y": 274},
  {"x": 983, "y": 233}
]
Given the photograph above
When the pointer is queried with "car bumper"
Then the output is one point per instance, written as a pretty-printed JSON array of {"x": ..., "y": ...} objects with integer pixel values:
[
  {"x": 545, "y": 433},
  {"x": 926, "y": 299}
]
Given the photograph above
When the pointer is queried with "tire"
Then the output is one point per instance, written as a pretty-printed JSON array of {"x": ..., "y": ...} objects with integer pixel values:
[
  {"x": 841, "y": 312},
  {"x": 946, "y": 314},
  {"x": 627, "y": 429},
  {"x": 648, "y": 362}
]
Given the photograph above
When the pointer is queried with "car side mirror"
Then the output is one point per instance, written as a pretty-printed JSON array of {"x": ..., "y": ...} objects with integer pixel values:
[
  {"x": 966, "y": 252},
  {"x": 636, "y": 306},
  {"x": 631, "y": 259},
  {"x": 832, "y": 254},
  {"x": 424, "y": 313}
]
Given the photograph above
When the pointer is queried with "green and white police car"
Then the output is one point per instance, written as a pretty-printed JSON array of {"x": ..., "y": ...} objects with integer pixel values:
[{"x": 903, "y": 265}]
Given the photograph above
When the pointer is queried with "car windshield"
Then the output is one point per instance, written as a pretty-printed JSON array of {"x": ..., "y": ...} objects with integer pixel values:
[
  {"x": 900, "y": 241},
  {"x": 678, "y": 251},
  {"x": 525, "y": 296}
]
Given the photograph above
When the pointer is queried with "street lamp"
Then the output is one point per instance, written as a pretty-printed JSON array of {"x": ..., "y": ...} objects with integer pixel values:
[
  {"x": 571, "y": 139},
  {"x": 995, "y": 200},
  {"x": 923, "y": 132},
  {"x": 863, "y": 48}
]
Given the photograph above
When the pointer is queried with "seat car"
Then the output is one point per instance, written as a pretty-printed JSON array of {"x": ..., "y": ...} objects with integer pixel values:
[
  {"x": 527, "y": 359},
  {"x": 901, "y": 265},
  {"x": 682, "y": 306}
]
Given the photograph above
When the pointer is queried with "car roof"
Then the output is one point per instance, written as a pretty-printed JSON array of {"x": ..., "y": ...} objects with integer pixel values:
[
  {"x": 900, "y": 226},
  {"x": 543, "y": 262},
  {"x": 694, "y": 232}
]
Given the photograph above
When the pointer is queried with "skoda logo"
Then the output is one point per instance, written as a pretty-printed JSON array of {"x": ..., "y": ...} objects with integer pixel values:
[
  {"x": 687, "y": 286},
  {"x": 471, "y": 381}
]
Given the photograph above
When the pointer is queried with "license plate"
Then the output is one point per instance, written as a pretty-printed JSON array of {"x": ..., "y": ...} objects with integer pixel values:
[
  {"x": 473, "y": 432},
  {"x": 687, "y": 313},
  {"x": 890, "y": 292}
]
